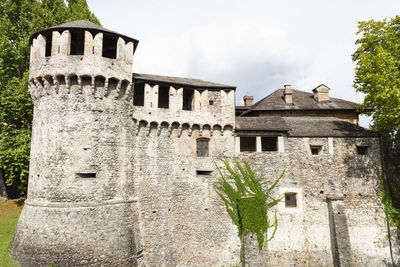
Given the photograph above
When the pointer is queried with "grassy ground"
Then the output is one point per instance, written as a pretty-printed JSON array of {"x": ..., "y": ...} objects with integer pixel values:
[{"x": 9, "y": 213}]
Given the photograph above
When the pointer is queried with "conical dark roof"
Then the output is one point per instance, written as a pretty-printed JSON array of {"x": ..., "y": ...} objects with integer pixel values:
[{"x": 85, "y": 25}]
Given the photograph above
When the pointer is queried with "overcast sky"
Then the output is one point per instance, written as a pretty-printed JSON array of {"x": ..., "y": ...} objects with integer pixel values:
[{"x": 257, "y": 46}]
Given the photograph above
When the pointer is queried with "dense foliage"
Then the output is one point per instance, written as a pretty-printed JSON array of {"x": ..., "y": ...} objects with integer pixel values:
[
  {"x": 378, "y": 73},
  {"x": 248, "y": 200},
  {"x": 18, "y": 20},
  {"x": 392, "y": 213}
]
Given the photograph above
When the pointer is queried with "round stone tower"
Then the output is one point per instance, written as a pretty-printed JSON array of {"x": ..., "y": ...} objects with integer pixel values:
[{"x": 80, "y": 209}]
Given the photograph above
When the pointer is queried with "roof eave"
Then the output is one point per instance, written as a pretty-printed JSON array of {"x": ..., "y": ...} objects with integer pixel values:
[{"x": 187, "y": 85}]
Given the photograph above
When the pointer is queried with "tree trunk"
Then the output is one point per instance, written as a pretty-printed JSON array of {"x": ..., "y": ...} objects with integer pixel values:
[{"x": 243, "y": 250}]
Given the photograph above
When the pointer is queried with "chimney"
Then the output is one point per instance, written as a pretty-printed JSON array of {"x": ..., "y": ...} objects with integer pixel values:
[
  {"x": 248, "y": 100},
  {"x": 288, "y": 94},
  {"x": 321, "y": 93}
]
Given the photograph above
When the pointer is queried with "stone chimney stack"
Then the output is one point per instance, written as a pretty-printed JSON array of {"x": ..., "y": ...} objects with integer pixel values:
[
  {"x": 248, "y": 100},
  {"x": 321, "y": 93},
  {"x": 288, "y": 94}
]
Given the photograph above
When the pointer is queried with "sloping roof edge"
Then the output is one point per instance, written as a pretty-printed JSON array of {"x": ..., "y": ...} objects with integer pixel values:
[
  {"x": 186, "y": 82},
  {"x": 85, "y": 25}
]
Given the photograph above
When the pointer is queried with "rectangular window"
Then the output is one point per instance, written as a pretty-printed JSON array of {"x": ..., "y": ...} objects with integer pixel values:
[
  {"x": 315, "y": 150},
  {"x": 86, "y": 175},
  {"x": 202, "y": 147},
  {"x": 188, "y": 95},
  {"x": 49, "y": 40},
  {"x": 269, "y": 143},
  {"x": 290, "y": 200},
  {"x": 247, "y": 143},
  {"x": 138, "y": 94},
  {"x": 109, "y": 46},
  {"x": 198, "y": 172},
  {"x": 77, "y": 43},
  {"x": 163, "y": 96},
  {"x": 362, "y": 150}
]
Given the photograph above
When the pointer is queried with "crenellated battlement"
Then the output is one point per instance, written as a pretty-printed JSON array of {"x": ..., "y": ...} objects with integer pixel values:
[
  {"x": 82, "y": 48},
  {"x": 85, "y": 43}
]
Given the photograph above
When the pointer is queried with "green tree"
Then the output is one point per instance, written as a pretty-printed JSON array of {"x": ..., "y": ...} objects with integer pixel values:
[
  {"x": 248, "y": 200},
  {"x": 377, "y": 73},
  {"x": 18, "y": 20}
]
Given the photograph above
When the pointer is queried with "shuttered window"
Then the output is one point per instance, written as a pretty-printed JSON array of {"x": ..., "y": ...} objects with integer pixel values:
[{"x": 202, "y": 147}]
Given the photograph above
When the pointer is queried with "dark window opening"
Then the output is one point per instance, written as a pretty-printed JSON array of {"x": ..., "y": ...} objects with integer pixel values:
[
  {"x": 86, "y": 175},
  {"x": 211, "y": 102},
  {"x": 138, "y": 94},
  {"x": 60, "y": 79},
  {"x": 187, "y": 99},
  {"x": 203, "y": 172},
  {"x": 99, "y": 81},
  {"x": 49, "y": 79},
  {"x": 362, "y": 150},
  {"x": 77, "y": 43},
  {"x": 315, "y": 150},
  {"x": 247, "y": 143},
  {"x": 86, "y": 81},
  {"x": 109, "y": 46},
  {"x": 290, "y": 200},
  {"x": 202, "y": 147},
  {"x": 269, "y": 143},
  {"x": 49, "y": 40},
  {"x": 163, "y": 96},
  {"x": 73, "y": 80}
]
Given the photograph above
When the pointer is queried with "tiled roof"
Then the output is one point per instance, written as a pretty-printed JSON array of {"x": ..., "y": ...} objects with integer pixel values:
[
  {"x": 304, "y": 126},
  {"x": 261, "y": 123},
  {"x": 179, "y": 81},
  {"x": 83, "y": 24},
  {"x": 301, "y": 101}
]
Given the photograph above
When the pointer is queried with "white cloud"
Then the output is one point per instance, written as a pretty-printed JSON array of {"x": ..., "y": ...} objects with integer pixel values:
[{"x": 256, "y": 45}]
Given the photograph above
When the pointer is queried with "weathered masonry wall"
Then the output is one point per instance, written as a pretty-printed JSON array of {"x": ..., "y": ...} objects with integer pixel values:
[
  {"x": 80, "y": 185},
  {"x": 182, "y": 221},
  {"x": 304, "y": 233},
  {"x": 220, "y": 112}
]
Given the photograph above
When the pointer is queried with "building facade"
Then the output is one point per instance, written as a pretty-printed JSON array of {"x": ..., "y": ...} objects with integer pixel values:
[{"x": 123, "y": 164}]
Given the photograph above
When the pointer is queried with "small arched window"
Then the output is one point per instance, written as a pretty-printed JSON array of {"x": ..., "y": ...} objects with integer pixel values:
[{"x": 202, "y": 147}]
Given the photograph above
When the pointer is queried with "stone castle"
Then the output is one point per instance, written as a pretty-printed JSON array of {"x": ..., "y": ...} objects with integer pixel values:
[{"x": 122, "y": 165}]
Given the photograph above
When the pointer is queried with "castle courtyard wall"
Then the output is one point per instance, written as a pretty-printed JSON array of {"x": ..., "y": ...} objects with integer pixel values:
[{"x": 340, "y": 177}]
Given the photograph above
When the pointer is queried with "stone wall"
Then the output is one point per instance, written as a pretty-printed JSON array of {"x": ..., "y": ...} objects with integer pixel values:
[
  {"x": 80, "y": 209},
  {"x": 392, "y": 170},
  {"x": 305, "y": 233}
]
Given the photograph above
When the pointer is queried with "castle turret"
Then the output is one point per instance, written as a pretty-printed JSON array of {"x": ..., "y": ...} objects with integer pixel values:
[{"x": 79, "y": 208}]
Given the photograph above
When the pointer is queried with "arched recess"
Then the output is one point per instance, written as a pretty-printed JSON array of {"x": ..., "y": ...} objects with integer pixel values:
[
  {"x": 206, "y": 130},
  {"x": 60, "y": 79},
  {"x": 124, "y": 88},
  {"x": 99, "y": 84},
  {"x": 217, "y": 129},
  {"x": 86, "y": 82},
  {"x": 49, "y": 84},
  {"x": 153, "y": 129},
  {"x": 175, "y": 129},
  {"x": 112, "y": 86},
  {"x": 185, "y": 129},
  {"x": 142, "y": 126},
  {"x": 228, "y": 129},
  {"x": 164, "y": 126},
  {"x": 195, "y": 130}
]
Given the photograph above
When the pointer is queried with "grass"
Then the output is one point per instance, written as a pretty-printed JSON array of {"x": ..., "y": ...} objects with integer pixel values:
[{"x": 9, "y": 214}]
